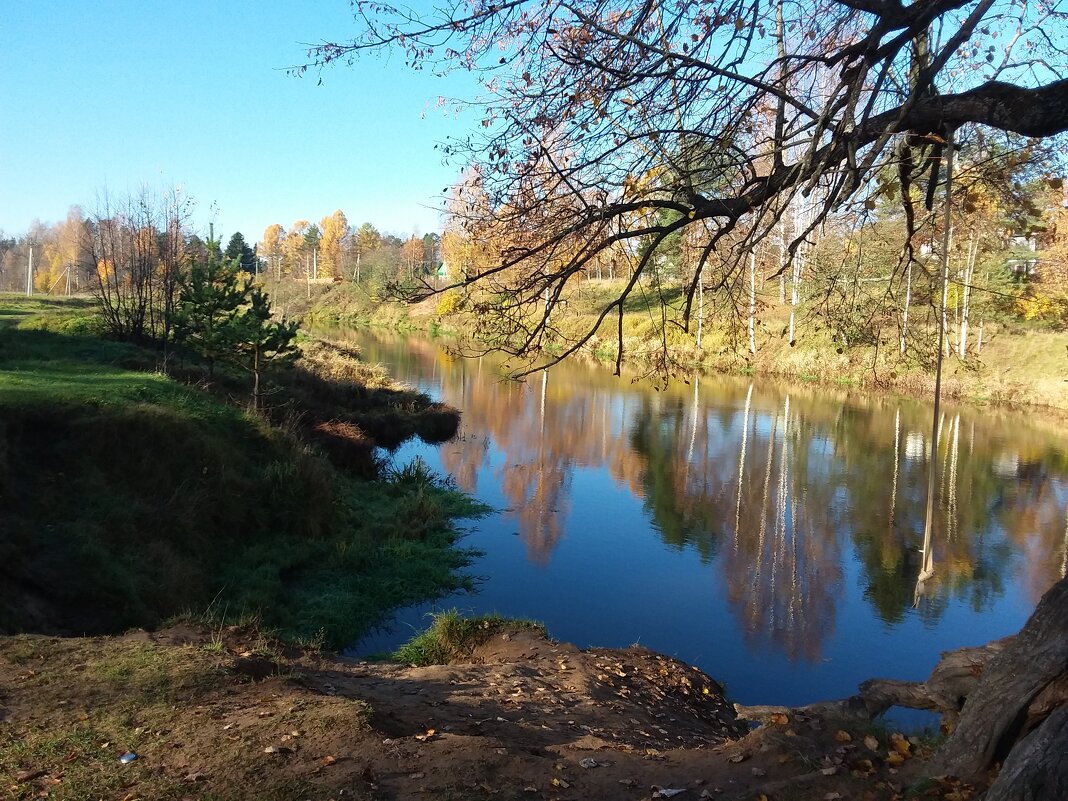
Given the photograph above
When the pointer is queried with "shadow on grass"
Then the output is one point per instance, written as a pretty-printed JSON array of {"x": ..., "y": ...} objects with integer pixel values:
[{"x": 126, "y": 496}]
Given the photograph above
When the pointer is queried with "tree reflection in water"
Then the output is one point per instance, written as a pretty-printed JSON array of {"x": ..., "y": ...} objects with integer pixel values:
[{"x": 778, "y": 489}]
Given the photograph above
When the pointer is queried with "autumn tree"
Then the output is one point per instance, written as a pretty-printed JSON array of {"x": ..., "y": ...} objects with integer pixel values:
[
  {"x": 271, "y": 247},
  {"x": 332, "y": 243},
  {"x": 62, "y": 255},
  {"x": 412, "y": 250},
  {"x": 293, "y": 248},
  {"x": 138, "y": 246},
  {"x": 467, "y": 248},
  {"x": 582, "y": 100},
  {"x": 1043, "y": 284},
  {"x": 386, "y": 268}
]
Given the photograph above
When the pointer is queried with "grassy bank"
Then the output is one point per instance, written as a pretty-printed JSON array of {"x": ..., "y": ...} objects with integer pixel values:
[
  {"x": 453, "y": 638},
  {"x": 1019, "y": 365},
  {"x": 127, "y": 497}
]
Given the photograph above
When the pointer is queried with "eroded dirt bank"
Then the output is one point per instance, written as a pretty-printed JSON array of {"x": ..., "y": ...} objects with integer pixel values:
[{"x": 227, "y": 714}]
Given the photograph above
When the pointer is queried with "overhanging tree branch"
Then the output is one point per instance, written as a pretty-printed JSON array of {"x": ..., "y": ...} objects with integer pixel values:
[{"x": 607, "y": 126}]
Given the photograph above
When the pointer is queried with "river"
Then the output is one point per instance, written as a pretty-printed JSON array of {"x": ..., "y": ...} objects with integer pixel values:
[{"x": 770, "y": 534}]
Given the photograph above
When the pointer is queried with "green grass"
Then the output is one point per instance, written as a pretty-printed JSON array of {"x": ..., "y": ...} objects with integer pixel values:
[
  {"x": 452, "y": 637},
  {"x": 127, "y": 497},
  {"x": 395, "y": 546},
  {"x": 1021, "y": 363}
]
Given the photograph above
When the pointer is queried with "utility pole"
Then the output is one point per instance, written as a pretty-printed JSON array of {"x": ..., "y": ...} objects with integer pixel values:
[{"x": 29, "y": 275}]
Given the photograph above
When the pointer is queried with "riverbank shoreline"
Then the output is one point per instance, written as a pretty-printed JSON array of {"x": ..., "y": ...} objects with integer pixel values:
[
  {"x": 128, "y": 496},
  {"x": 227, "y": 713},
  {"x": 1018, "y": 368},
  {"x": 218, "y": 711}
]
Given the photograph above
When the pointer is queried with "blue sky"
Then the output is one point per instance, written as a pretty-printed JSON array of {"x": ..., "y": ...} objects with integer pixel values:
[{"x": 115, "y": 95}]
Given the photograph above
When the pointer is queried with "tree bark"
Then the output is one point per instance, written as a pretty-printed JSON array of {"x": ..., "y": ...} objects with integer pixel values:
[
  {"x": 752, "y": 303},
  {"x": 1036, "y": 768},
  {"x": 1012, "y": 696},
  {"x": 953, "y": 679},
  {"x": 1016, "y": 691}
]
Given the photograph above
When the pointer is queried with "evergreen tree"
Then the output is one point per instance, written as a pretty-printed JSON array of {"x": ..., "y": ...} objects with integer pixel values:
[
  {"x": 311, "y": 239},
  {"x": 259, "y": 341},
  {"x": 237, "y": 248},
  {"x": 209, "y": 301}
]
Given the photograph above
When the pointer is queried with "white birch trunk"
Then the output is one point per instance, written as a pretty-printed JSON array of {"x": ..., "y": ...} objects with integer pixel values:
[
  {"x": 752, "y": 302},
  {"x": 782, "y": 262},
  {"x": 905, "y": 311},
  {"x": 969, "y": 272},
  {"x": 700, "y": 306},
  {"x": 798, "y": 264},
  {"x": 802, "y": 219},
  {"x": 944, "y": 342}
]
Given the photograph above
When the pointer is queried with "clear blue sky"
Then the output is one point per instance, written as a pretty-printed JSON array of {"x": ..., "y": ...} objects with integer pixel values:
[{"x": 115, "y": 95}]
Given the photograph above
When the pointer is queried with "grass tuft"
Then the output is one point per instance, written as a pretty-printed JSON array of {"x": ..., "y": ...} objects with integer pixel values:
[{"x": 452, "y": 637}]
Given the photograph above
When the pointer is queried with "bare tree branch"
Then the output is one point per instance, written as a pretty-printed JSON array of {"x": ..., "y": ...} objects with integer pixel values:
[{"x": 609, "y": 127}]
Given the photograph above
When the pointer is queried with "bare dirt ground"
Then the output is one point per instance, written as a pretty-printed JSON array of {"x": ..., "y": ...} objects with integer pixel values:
[{"x": 228, "y": 714}]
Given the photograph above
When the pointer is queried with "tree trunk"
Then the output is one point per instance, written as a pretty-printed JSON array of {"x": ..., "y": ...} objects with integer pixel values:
[
  {"x": 800, "y": 224},
  {"x": 752, "y": 302},
  {"x": 905, "y": 312},
  {"x": 966, "y": 292},
  {"x": 943, "y": 343},
  {"x": 953, "y": 679},
  {"x": 1012, "y": 695},
  {"x": 1036, "y": 768},
  {"x": 782, "y": 261},
  {"x": 1013, "y": 698},
  {"x": 700, "y": 306}
]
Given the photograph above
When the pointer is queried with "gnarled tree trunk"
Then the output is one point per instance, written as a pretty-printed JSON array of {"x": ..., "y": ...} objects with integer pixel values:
[
  {"x": 1036, "y": 768},
  {"x": 1006, "y": 702},
  {"x": 1017, "y": 711}
]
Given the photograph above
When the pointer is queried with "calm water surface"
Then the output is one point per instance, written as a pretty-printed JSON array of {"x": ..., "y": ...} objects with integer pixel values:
[{"x": 769, "y": 535}]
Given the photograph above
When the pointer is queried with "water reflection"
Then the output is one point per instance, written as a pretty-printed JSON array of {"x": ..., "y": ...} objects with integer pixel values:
[{"x": 787, "y": 493}]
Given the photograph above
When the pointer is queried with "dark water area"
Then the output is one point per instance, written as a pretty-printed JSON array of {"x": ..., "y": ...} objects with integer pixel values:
[{"x": 771, "y": 535}]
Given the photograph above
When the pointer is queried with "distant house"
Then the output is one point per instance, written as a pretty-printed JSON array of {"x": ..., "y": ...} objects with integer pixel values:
[
  {"x": 1023, "y": 259},
  {"x": 1023, "y": 241}
]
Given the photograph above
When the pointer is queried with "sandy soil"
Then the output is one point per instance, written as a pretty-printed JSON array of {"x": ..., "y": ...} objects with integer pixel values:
[{"x": 228, "y": 714}]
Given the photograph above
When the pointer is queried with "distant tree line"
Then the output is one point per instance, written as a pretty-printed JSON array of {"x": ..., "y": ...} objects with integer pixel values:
[
  {"x": 158, "y": 284},
  {"x": 333, "y": 249}
]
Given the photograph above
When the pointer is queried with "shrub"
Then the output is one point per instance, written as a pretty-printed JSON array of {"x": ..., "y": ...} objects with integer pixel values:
[{"x": 449, "y": 303}]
